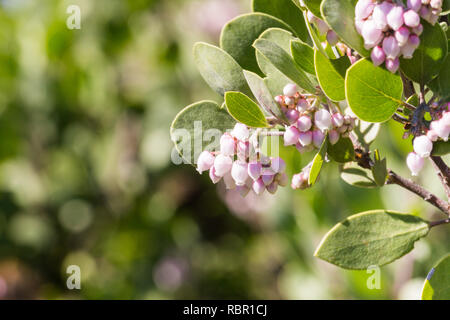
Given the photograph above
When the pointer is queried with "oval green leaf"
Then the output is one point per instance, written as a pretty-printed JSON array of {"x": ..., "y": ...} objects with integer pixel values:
[
  {"x": 317, "y": 163},
  {"x": 238, "y": 35},
  {"x": 314, "y": 7},
  {"x": 429, "y": 57},
  {"x": 331, "y": 75},
  {"x": 285, "y": 10},
  {"x": 340, "y": 16},
  {"x": 371, "y": 238},
  {"x": 263, "y": 95},
  {"x": 343, "y": 151},
  {"x": 284, "y": 63},
  {"x": 441, "y": 148},
  {"x": 437, "y": 284},
  {"x": 356, "y": 176},
  {"x": 220, "y": 71},
  {"x": 192, "y": 122},
  {"x": 303, "y": 55},
  {"x": 441, "y": 84},
  {"x": 373, "y": 93},
  {"x": 244, "y": 110}
]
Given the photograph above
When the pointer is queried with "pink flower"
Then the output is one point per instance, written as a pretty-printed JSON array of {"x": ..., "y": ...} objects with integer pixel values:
[
  {"x": 411, "y": 18},
  {"x": 378, "y": 56},
  {"x": 222, "y": 165},
  {"x": 393, "y": 65},
  {"x": 291, "y": 136},
  {"x": 205, "y": 161},
  {"x": 423, "y": 146},
  {"x": 415, "y": 163},
  {"x": 391, "y": 48},
  {"x": 322, "y": 120},
  {"x": 395, "y": 18}
]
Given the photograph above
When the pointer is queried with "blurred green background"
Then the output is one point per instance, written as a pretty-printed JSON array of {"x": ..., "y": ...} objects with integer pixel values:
[{"x": 86, "y": 176}]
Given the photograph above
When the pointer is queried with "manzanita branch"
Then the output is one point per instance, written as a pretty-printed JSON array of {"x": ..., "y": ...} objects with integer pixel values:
[
  {"x": 410, "y": 185},
  {"x": 443, "y": 172},
  {"x": 439, "y": 223}
]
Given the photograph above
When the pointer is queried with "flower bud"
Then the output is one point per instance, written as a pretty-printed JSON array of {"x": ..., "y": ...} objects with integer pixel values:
[
  {"x": 239, "y": 172},
  {"x": 243, "y": 150},
  {"x": 267, "y": 178},
  {"x": 418, "y": 30},
  {"x": 322, "y": 120},
  {"x": 243, "y": 190},
  {"x": 278, "y": 165},
  {"x": 290, "y": 90},
  {"x": 423, "y": 146},
  {"x": 380, "y": 14},
  {"x": 300, "y": 181},
  {"x": 227, "y": 145},
  {"x": 279, "y": 100},
  {"x": 414, "y": 5},
  {"x": 205, "y": 161},
  {"x": 304, "y": 123},
  {"x": 411, "y": 18},
  {"x": 212, "y": 175},
  {"x": 395, "y": 18},
  {"x": 436, "y": 4},
  {"x": 322, "y": 26},
  {"x": 292, "y": 115},
  {"x": 415, "y": 163},
  {"x": 391, "y": 48},
  {"x": 378, "y": 56},
  {"x": 273, "y": 187},
  {"x": 334, "y": 137},
  {"x": 432, "y": 135},
  {"x": 338, "y": 120},
  {"x": 441, "y": 128},
  {"x": 259, "y": 187},
  {"x": 332, "y": 38},
  {"x": 318, "y": 138},
  {"x": 291, "y": 136},
  {"x": 222, "y": 165},
  {"x": 289, "y": 101},
  {"x": 371, "y": 34},
  {"x": 305, "y": 138},
  {"x": 255, "y": 170},
  {"x": 241, "y": 132},
  {"x": 402, "y": 35},
  {"x": 282, "y": 179},
  {"x": 363, "y": 9},
  {"x": 393, "y": 65},
  {"x": 302, "y": 105}
]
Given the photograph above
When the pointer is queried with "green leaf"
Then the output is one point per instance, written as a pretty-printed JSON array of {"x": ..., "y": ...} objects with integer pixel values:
[
  {"x": 219, "y": 69},
  {"x": 284, "y": 63},
  {"x": 343, "y": 151},
  {"x": 441, "y": 84},
  {"x": 356, "y": 176},
  {"x": 303, "y": 55},
  {"x": 379, "y": 170},
  {"x": 340, "y": 16},
  {"x": 238, "y": 35},
  {"x": 445, "y": 8},
  {"x": 314, "y": 7},
  {"x": 317, "y": 163},
  {"x": 331, "y": 75},
  {"x": 429, "y": 57},
  {"x": 371, "y": 238},
  {"x": 373, "y": 93},
  {"x": 192, "y": 122},
  {"x": 441, "y": 148},
  {"x": 286, "y": 11},
  {"x": 437, "y": 284},
  {"x": 275, "y": 80},
  {"x": 244, "y": 110},
  {"x": 263, "y": 95}
]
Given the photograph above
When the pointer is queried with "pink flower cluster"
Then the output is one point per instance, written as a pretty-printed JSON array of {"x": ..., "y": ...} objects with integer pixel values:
[
  {"x": 423, "y": 145},
  {"x": 392, "y": 30},
  {"x": 241, "y": 167},
  {"x": 309, "y": 123}
]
